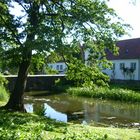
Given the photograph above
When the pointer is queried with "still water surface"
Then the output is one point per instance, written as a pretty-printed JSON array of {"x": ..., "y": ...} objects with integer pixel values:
[{"x": 85, "y": 110}]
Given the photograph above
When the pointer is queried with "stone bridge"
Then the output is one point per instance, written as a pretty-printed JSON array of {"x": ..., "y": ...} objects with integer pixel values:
[{"x": 37, "y": 82}]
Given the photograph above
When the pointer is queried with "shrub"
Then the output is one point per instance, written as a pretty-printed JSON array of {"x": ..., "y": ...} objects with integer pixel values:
[
  {"x": 86, "y": 75},
  {"x": 3, "y": 92},
  {"x": 3, "y": 81},
  {"x": 106, "y": 93}
]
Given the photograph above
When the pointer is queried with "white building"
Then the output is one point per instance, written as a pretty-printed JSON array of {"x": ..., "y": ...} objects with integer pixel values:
[
  {"x": 59, "y": 66},
  {"x": 126, "y": 66}
]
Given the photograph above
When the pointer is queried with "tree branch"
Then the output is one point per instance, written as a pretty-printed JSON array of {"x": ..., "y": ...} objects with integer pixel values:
[
  {"x": 13, "y": 33},
  {"x": 63, "y": 57}
]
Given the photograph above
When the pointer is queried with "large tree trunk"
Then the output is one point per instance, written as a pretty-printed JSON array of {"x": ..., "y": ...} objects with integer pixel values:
[{"x": 16, "y": 98}]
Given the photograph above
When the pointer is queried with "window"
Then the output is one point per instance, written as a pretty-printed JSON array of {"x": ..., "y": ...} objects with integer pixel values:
[
  {"x": 133, "y": 66},
  {"x": 122, "y": 65},
  {"x": 57, "y": 67},
  {"x": 61, "y": 67},
  {"x": 113, "y": 67}
]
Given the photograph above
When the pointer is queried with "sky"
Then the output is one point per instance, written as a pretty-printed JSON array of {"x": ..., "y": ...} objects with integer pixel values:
[{"x": 130, "y": 13}]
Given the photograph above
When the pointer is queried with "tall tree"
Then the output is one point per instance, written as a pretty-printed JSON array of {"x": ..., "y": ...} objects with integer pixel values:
[{"x": 58, "y": 25}]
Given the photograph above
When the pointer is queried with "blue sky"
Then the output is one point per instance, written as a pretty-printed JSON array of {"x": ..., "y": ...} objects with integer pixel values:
[{"x": 130, "y": 13}]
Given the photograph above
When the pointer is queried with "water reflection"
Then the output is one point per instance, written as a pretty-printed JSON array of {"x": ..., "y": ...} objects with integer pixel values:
[
  {"x": 50, "y": 112},
  {"x": 29, "y": 107},
  {"x": 84, "y": 110}
]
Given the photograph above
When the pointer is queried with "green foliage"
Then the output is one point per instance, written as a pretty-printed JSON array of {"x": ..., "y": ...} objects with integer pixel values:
[
  {"x": 18, "y": 126},
  {"x": 8, "y": 67},
  {"x": 53, "y": 57},
  {"x": 37, "y": 64},
  {"x": 15, "y": 127},
  {"x": 49, "y": 70},
  {"x": 106, "y": 93},
  {"x": 61, "y": 85},
  {"x": 4, "y": 95},
  {"x": 86, "y": 76},
  {"x": 40, "y": 111},
  {"x": 45, "y": 31},
  {"x": 3, "y": 81}
]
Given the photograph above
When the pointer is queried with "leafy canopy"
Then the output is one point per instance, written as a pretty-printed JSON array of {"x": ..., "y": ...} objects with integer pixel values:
[{"x": 59, "y": 26}]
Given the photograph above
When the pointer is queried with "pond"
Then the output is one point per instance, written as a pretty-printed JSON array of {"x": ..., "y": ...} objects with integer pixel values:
[{"x": 85, "y": 110}]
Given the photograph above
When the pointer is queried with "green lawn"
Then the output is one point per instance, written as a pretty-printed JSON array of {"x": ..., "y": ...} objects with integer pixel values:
[{"x": 25, "y": 126}]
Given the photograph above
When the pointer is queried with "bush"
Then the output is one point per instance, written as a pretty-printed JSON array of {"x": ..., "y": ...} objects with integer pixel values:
[
  {"x": 85, "y": 75},
  {"x": 4, "y": 95},
  {"x": 3, "y": 81}
]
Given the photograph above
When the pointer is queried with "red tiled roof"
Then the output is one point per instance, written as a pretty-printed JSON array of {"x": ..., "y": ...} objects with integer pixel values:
[{"x": 128, "y": 49}]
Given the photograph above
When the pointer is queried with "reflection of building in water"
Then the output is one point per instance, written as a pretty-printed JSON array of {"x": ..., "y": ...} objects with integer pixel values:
[{"x": 121, "y": 111}]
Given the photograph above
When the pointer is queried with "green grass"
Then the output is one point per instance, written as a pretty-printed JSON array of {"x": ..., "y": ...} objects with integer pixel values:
[
  {"x": 19, "y": 126},
  {"x": 106, "y": 93}
]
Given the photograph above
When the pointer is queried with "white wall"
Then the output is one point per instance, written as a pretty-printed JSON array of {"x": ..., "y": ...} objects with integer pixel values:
[
  {"x": 59, "y": 66},
  {"x": 119, "y": 74},
  {"x": 139, "y": 70}
]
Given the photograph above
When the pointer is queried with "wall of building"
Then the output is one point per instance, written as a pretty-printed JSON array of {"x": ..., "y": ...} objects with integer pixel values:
[
  {"x": 59, "y": 66},
  {"x": 118, "y": 73},
  {"x": 139, "y": 69}
]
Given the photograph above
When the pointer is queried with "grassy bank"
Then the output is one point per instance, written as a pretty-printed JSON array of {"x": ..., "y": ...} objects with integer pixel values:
[
  {"x": 20, "y": 126},
  {"x": 106, "y": 93}
]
